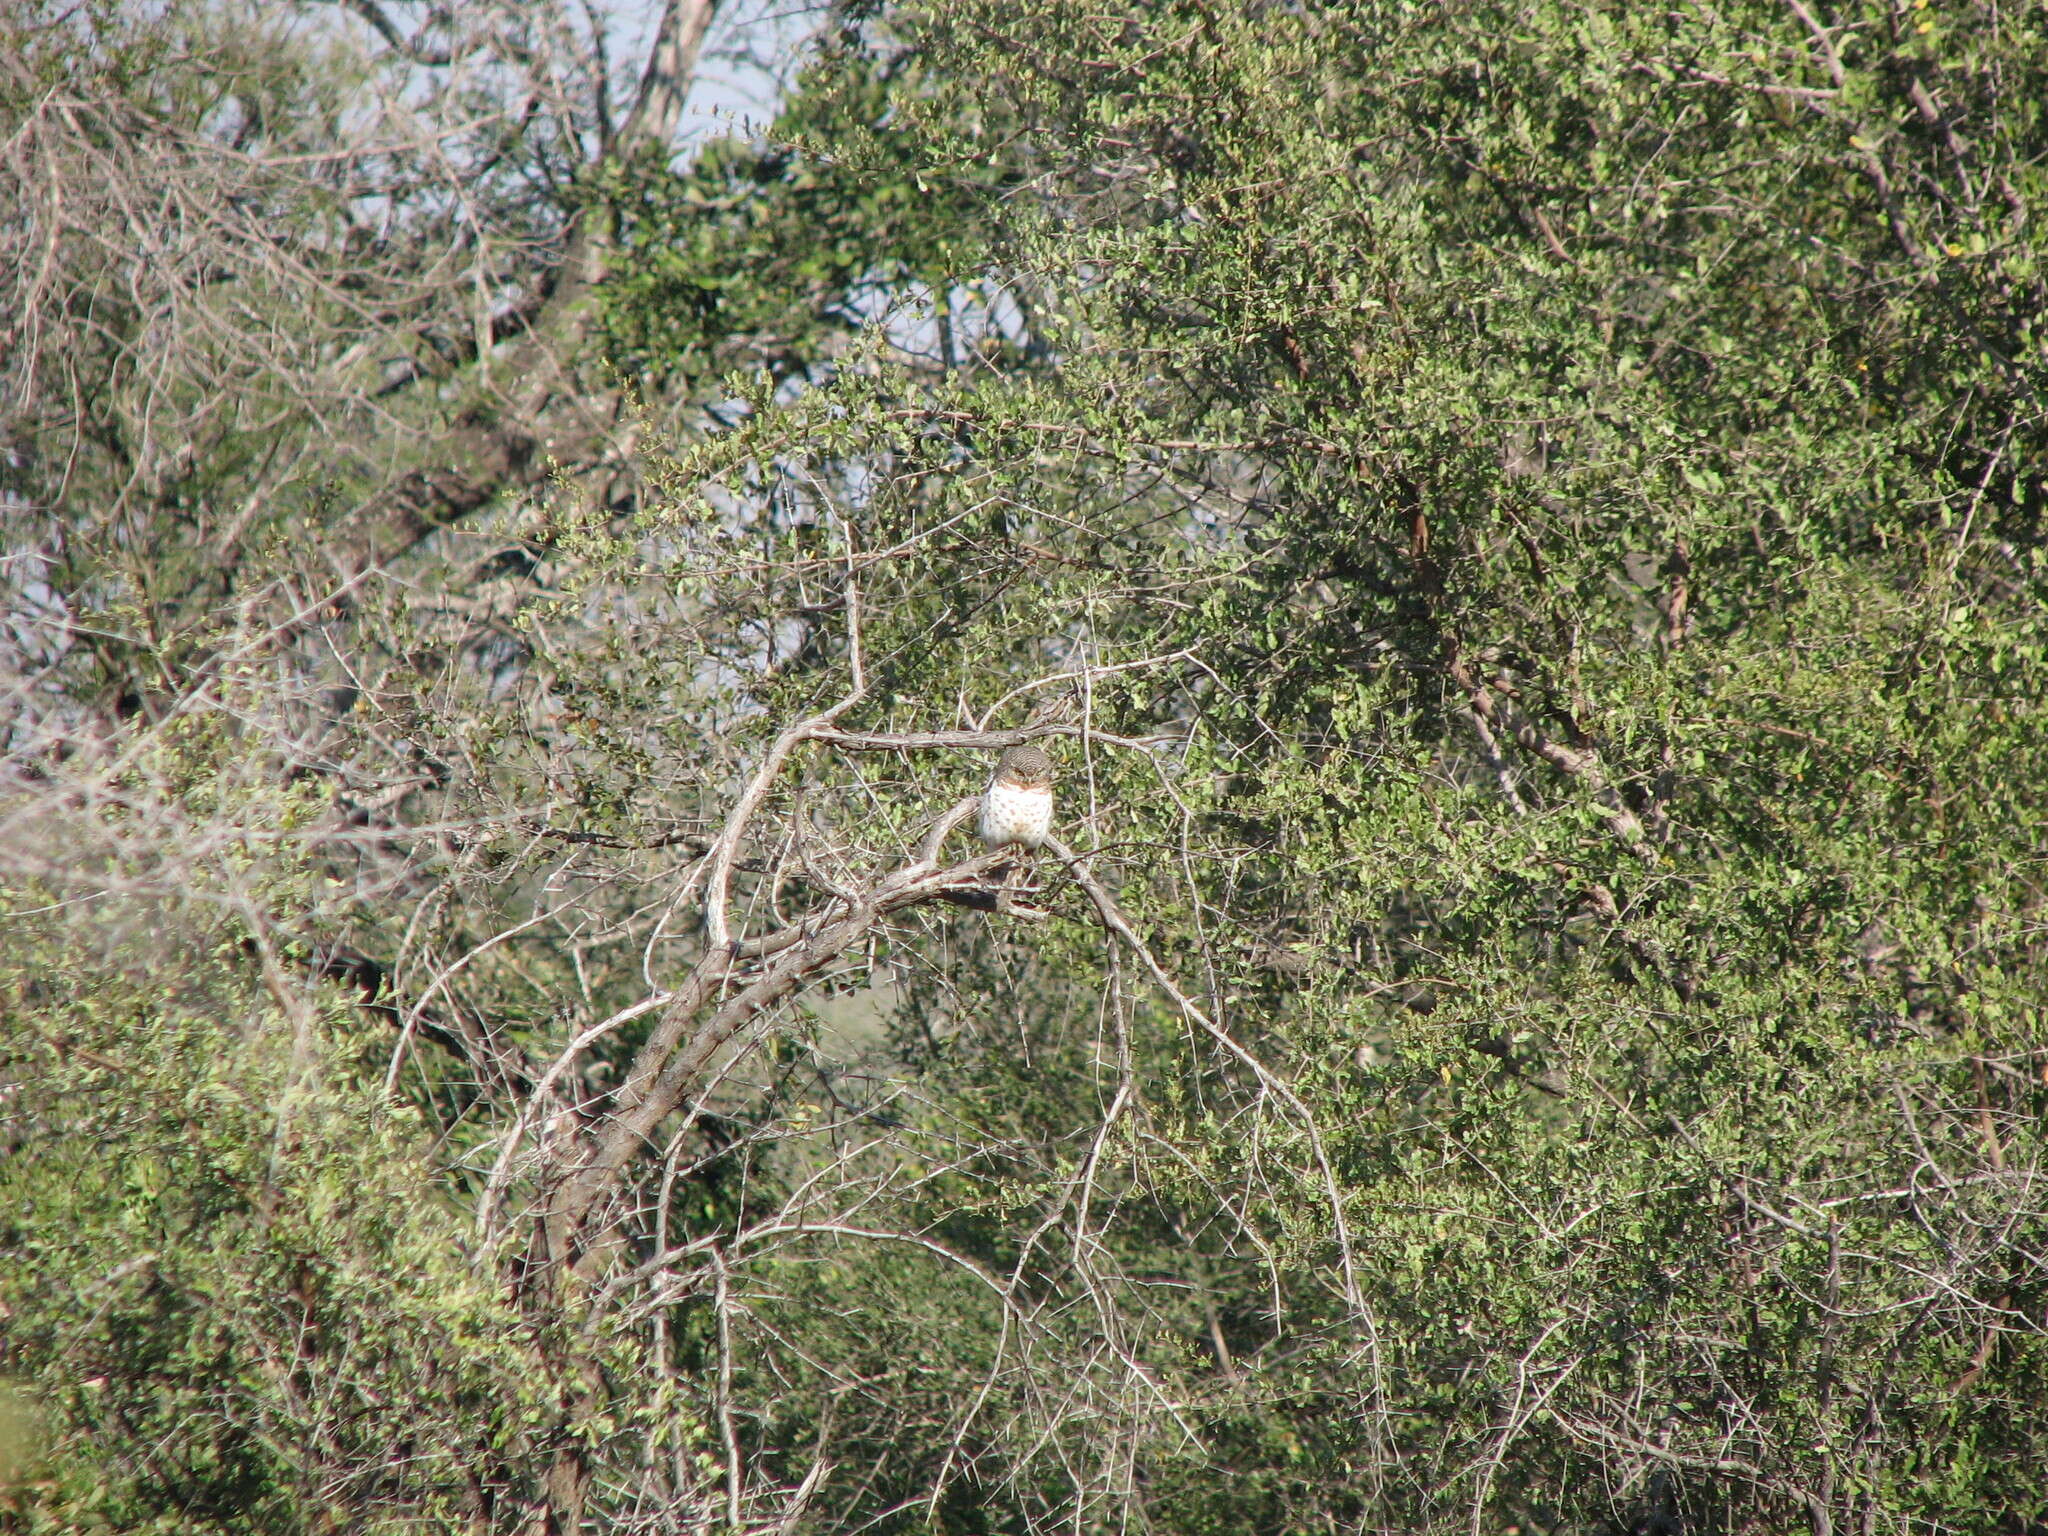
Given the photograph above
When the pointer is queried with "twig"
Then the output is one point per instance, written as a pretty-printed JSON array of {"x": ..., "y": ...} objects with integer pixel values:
[{"x": 1113, "y": 918}]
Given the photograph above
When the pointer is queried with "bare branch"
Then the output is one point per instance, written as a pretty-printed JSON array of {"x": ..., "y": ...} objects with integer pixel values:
[
  {"x": 670, "y": 1066},
  {"x": 1114, "y": 920},
  {"x": 989, "y": 741},
  {"x": 1582, "y": 764},
  {"x": 665, "y": 85}
]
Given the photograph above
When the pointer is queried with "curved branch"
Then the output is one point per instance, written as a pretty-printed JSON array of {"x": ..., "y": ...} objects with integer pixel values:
[{"x": 674, "y": 1063}]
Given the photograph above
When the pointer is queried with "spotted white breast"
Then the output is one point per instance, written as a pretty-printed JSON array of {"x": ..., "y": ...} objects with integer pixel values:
[{"x": 1010, "y": 814}]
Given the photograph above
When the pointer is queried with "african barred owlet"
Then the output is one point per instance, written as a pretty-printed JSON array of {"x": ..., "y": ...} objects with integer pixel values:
[{"x": 1017, "y": 805}]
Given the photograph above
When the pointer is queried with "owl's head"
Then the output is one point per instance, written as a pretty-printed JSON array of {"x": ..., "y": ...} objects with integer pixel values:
[{"x": 1024, "y": 768}]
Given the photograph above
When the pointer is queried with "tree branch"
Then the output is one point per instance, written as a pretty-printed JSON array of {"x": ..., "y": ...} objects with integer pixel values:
[{"x": 665, "y": 85}]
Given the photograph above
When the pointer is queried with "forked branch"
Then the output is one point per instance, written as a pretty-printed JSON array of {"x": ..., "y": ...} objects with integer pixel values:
[{"x": 722, "y": 1000}]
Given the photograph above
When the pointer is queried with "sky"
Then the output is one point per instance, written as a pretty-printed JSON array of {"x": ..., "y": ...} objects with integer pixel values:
[{"x": 752, "y": 50}]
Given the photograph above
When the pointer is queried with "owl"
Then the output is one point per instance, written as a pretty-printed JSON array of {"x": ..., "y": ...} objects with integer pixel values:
[{"x": 1017, "y": 805}]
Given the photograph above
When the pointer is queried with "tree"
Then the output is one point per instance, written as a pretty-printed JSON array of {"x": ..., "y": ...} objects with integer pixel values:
[
  {"x": 232, "y": 762},
  {"x": 1588, "y": 466},
  {"x": 328, "y": 267},
  {"x": 1521, "y": 527}
]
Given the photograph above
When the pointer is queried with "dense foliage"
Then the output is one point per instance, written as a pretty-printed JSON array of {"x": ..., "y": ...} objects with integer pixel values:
[{"x": 1522, "y": 528}]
